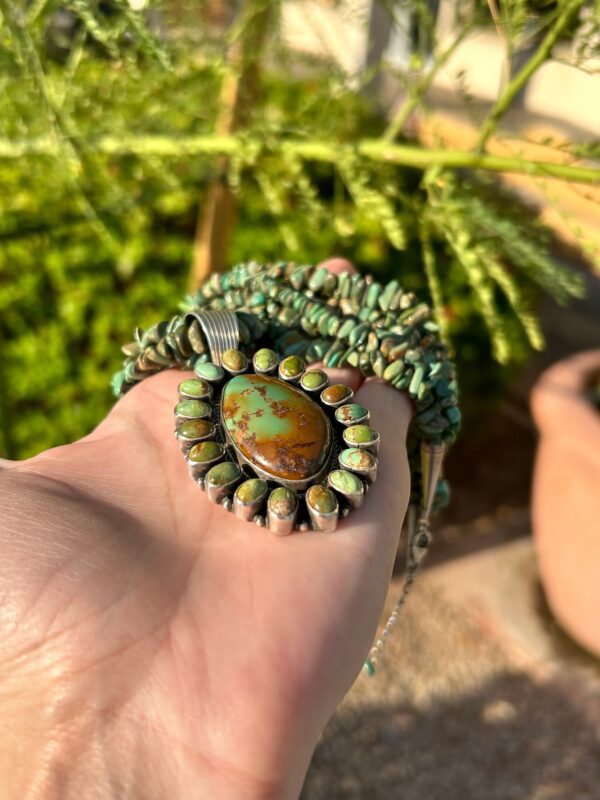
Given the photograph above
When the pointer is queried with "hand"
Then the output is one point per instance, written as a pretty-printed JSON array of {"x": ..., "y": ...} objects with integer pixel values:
[{"x": 154, "y": 646}]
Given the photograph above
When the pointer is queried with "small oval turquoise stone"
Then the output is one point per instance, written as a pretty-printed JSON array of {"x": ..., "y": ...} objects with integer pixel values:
[
  {"x": 360, "y": 434},
  {"x": 336, "y": 394},
  {"x": 264, "y": 360},
  {"x": 321, "y": 499},
  {"x": 355, "y": 459},
  {"x": 292, "y": 367},
  {"x": 195, "y": 388},
  {"x": 275, "y": 426},
  {"x": 209, "y": 371},
  {"x": 222, "y": 474},
  {"x": 257, "y": 299},
  {"x": 234, "y": 360},
  {"x": 313, "y": 379},
  {"x": 205, "y": 451},
  {"x": 351, "y": 413},
  {"x": 195, "y": 429},
  {"x": 282, "y": 502},
  {"x": 345, "y": 482},
  {"x": 118, "y": 379},
  {"x": 193, "y": 409},
  {"x": 393, "y": 370},
  {"x": 251, "y": 490}
]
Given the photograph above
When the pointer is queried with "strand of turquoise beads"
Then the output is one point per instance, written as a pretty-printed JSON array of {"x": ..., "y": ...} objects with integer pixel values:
[{"x": 310, "y": 313}]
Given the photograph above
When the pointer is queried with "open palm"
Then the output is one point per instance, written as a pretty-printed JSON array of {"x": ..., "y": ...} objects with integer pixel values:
[{"x": 151, "y": 644}]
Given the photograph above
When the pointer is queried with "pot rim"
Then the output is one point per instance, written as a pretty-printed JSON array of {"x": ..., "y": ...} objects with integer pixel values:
[{"x": 560, "y": 403}]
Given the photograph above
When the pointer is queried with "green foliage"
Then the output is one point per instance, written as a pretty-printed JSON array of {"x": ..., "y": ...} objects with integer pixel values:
[
  {"x": 94, "y": 240},
  {"x": 494, "y": 241}
]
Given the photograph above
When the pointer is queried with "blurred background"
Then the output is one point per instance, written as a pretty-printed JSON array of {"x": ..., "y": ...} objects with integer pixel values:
[{"x": 451, "y": 144}]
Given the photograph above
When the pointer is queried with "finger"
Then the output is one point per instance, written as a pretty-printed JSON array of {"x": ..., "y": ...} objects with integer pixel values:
[
  {"x": 347, "y": 375},
  {"x": 386, "y": 505},
  {"x": 338, "y": 265}
]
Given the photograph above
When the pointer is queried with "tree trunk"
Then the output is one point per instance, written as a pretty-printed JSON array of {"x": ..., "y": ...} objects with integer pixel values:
[{"x": 240, "y": 95}]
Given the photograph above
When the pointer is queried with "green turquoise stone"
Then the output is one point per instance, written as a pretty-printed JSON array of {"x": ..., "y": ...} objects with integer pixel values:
[
  {"x": 292, "y": 367},
  {"x": 352, "y": 358},
  {"x": 336, "y": 394},
  {"x": 313, "y": 379},
  {"x": 324, "y": 324},
  {"x": 193, "y": 409},
  {"x": 333, "y": 359},
  {"x": 385, "y": 297},
  {"x": 351, "y": 413},
  {"x": 416, "y": 379},
  {"x": 379, "y": 364},
  {"x": 257, "y": 299},
  {"x": 452, "y": 414},
  {"x": 333, "y": 326},
  {"x": 318, "y": 278},
  {"x": 345, "y": 482},
  {"x": 251, "y": 490},
  {"x": 275, "y": 426},
  {"x": 264, "y": 360},
  {"x": 209, "y": 371},
  {"x": 392, "y": 371},
  {"x": 317, "y": 349},
  {"x": 355, "y": 459},
  {"x": 222, "y": 474},
  {"x": 282, "y": 502},
  {"x": 346, "y": 328},
  {"x": 195, "y": 429},
  {"x": 373, "y": 293},
  {"x": 317, "y": 313},
  {"x": 195, "y": 388},
  {"x": 205, "y": 451},
  {"x": 234, "y": 360},
  {"x": 297, "y": 278},
  {"x": 442, "y": 495},
  {"x": 131, "y": 373},
  {"x": 321, "y": 499},
  {"x": 358, "y": 335},
  {"x": 118, "y": 379},
  {"x": 442, "y": 388},
  {"x": 287, "y": 317},
  {"x": 360, "y": 434}
]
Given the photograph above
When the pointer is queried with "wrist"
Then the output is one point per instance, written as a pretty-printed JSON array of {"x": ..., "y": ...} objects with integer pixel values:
[{"x": 101, "y": 757}]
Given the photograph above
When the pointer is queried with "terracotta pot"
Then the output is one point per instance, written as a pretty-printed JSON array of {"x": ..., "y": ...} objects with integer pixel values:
[{"x": 566, "y": 495}]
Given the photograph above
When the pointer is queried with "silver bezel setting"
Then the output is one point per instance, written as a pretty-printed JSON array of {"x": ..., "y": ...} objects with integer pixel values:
[
  {"x": 372, "y": 446},
  {"x": 304, "y": 516},
  {"x": 249, "y": 511}
]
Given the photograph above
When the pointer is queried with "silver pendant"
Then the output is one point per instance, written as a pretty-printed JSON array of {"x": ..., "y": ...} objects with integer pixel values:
[{"x": 270, "y": 440}]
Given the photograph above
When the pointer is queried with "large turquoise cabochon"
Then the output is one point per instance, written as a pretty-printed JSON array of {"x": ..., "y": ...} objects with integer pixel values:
[{"x": 275, "y": 426}]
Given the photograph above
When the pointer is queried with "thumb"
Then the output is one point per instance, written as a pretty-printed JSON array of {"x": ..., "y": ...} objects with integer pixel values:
[{"x": 391, "y": 413}]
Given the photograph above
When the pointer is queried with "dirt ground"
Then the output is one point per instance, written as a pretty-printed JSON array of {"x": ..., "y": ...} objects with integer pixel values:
[{"x": 480, "y": 696}]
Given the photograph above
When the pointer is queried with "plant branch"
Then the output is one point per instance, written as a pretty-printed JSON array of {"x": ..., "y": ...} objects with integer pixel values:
[
  {"x": 315, "y": 150},
  {"x": 417, "y": 92},
  {"x": 520, "y": 80}
]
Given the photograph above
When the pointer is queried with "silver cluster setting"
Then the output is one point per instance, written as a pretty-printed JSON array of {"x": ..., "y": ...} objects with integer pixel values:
[{"x": 241, "y": 443}]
